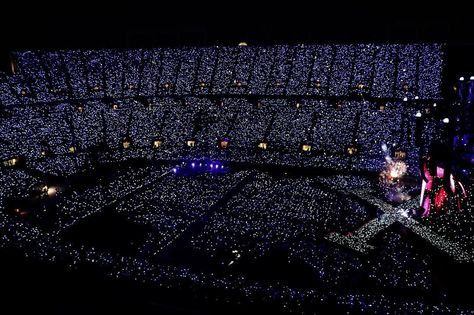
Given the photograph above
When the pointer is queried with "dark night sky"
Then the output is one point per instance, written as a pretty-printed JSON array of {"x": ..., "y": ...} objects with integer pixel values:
[{"x": 159, "y": 23}]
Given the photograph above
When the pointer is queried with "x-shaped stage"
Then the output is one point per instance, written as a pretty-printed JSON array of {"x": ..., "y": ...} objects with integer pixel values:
[{"x": 359, "y": 239}]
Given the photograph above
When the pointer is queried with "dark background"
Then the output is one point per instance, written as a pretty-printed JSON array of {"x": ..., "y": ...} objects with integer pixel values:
[{"x": 139, "y": 23}]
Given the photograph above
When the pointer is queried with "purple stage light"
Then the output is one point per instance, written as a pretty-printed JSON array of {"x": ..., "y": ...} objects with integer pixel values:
[{"x": 193, "y": 164}]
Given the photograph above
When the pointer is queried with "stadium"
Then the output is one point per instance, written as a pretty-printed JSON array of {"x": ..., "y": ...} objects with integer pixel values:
[{"x": 303, "y": 178}]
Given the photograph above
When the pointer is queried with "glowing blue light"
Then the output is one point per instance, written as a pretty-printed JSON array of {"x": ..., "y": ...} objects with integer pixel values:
[
  {"x": 222, "y": 166},
  {"x": 212, "y": 165},
  {"x": 193, "y": 164},
  {"x": 175, "y": 170}
]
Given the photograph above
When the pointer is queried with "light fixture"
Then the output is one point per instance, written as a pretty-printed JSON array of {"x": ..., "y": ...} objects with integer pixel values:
[
  {"x": 191, "y": 143},
  {"x": 446, "y": 120},
  {"x": 400, "y": 154},
  {"x": 126, "y": 143},
  {"x": 351, "y": 150},
  {"x": 461, "y": 79},
  {"x": 306, "y": 147},
  {"x": 51, "y": 191},
  {"x": 11, "y": 162},
  {"x": 263, "y": 145},
  {"x": 156, "y": 143},
  {"x": 418, "y": 114}
]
